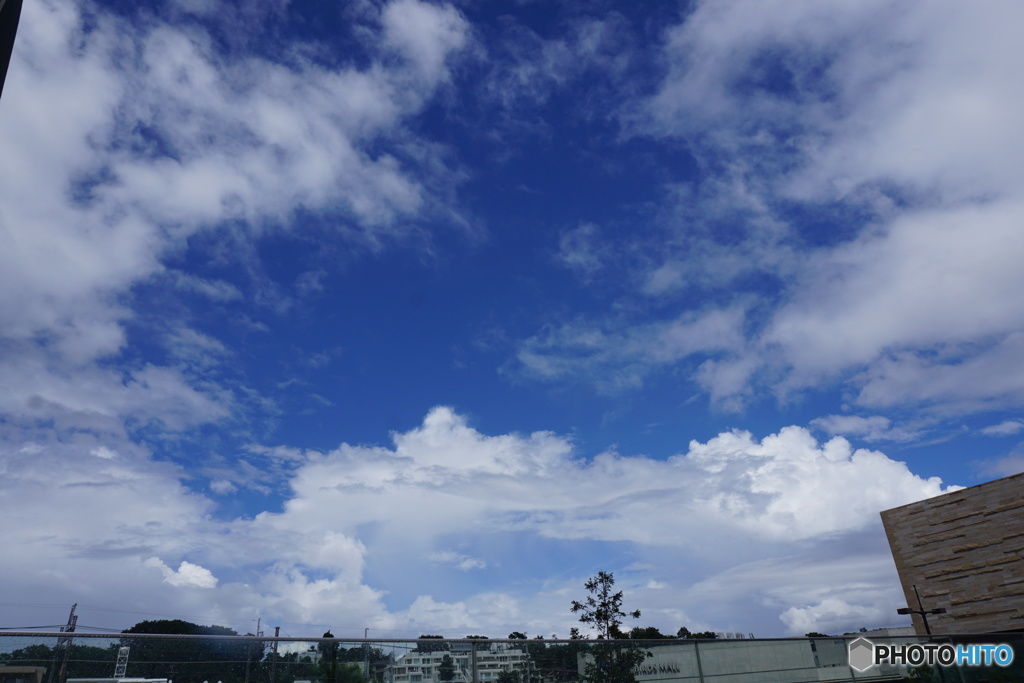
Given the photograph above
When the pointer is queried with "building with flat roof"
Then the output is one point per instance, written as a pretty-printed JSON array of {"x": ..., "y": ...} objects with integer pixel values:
[
  {"x": 779, "y": 660},
  {"x": 22, "y": 674},
  {"x": 480, "y": 662},
  {"x": 965, "y": 553}
]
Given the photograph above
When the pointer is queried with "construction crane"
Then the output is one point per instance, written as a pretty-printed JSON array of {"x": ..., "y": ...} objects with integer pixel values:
[{"x": 64, "y": 643}]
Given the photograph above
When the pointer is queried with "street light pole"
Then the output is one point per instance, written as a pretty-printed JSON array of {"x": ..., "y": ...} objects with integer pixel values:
[
  {"x": 924, "y": 617},
  {"x": 922, "y": 611}
]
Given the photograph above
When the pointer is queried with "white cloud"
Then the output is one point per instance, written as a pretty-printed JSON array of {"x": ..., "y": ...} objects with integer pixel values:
[
  {"x": 871, "y": 429},
  {"x": 357, "y": 514},
  {"x": 886, "y": 300},
  {"x": 615, "y": 359},
  {"x": 114, "y": 162},
  {"x": 425, "y": 33},
  {"x": 528, "y": 68},
  {"x": 447, "y": 475},
  {"x": 581, "y": 250},
  {"x": 1005, "y": 428},
  {"x": 187, "y": 575},
  {"x": 463, "y": 562},
  {"x": 830, "y": 613},
  {"x": 1003, "y": 467},
  {"x": 887, "y": 126}
]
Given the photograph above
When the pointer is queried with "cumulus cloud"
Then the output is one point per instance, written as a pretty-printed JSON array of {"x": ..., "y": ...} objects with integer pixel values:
[
  {"x": 356, "y": 515},
  {"x": 115, "y": 162},
  {"x": 123, "y": 140},
  {"x": 187, "y": 575},
  {"x": 447, "y": 475},
  {"x": 829, "y": 614}
]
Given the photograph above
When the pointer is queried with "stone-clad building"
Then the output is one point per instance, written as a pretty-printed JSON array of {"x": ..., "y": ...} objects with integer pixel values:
[
  {"x": 10, "y": 12},
  {"x": 965, "y": 553}
]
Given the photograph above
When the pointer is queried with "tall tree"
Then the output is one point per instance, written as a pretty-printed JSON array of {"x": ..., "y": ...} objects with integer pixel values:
[
  {"x": 186, "y": 660},
  {"x": 602, "y": 610},
  {"x": 446, "y": 669},
  {"x": 705, "y": 635},
  {"x": 328, "y": 657},
  {"x": 424, "y": 644},
  {"x": 647, "y": 633}
]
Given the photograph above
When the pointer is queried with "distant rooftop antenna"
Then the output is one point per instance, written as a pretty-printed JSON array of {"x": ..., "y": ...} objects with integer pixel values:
[{"x": 122, "y": 663}]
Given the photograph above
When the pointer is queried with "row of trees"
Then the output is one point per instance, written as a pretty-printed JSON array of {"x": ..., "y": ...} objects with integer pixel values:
[
  {"x": 197, "y": 660},
  {"x": 239, "y": 661}
]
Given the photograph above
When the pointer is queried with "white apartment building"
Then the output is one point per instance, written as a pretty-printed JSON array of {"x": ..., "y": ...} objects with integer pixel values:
[{"x": 487, "y": 661}]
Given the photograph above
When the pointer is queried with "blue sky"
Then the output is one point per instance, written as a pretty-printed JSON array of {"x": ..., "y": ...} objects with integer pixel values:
[{"x": 413, "y": 316}]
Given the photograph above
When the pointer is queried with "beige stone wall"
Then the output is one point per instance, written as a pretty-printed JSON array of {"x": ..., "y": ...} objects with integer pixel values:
[{"x": 965, "y": 552}]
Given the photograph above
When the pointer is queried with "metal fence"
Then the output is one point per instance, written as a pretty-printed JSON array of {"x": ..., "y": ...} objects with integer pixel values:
[{"x": 31, "y": 657}]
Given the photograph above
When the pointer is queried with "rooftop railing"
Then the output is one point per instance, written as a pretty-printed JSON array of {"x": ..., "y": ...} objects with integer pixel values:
[{"x": 32, "y": 657}]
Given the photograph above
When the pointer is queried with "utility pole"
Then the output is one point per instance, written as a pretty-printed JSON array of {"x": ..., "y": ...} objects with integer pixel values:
[
  {"x": 273, "y": 651},
  {"x": 366, "y": 653},
  {"x": 252, "y": 649}
]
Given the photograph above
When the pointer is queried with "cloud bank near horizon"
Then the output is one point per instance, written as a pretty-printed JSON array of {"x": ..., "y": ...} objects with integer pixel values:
[{"x": 446, "y": 493}]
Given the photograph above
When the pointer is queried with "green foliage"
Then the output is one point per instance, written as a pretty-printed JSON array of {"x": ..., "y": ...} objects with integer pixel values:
[
  {"x": 446, "y": 669},
  {"x": 179, "y": 627},
  {"x": 684, "y": 632},
  {"x": 425, "y": 644},
  {"x": 508, "y": 677},
  {"x": 517, "y": 635},
  {"x": 603, "y": 609},
  {"x": 84, "y": 661},
  {"x": 556, "y": 662},
  {"x": 921, "y": 673},
  {"x": 189, "y": 661},
  {"x": 647, "y": 633},
  {"x": 608, "y": 663},
  {"x": 815, "y": 634},
  {"x": 348, "y": 672}
]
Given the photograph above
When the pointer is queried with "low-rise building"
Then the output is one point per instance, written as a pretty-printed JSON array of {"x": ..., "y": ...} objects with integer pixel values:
[
  {"x": 486, "y": 661},
  {"x": 22, "y": 674}
]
